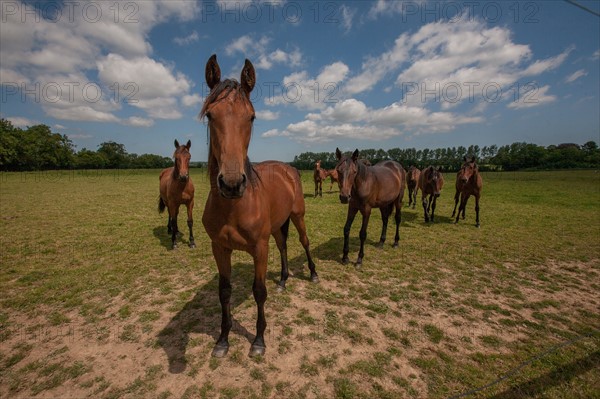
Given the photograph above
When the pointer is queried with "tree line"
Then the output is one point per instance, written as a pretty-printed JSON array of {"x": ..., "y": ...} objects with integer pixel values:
[
  {"x": 508, "y": 157},
  {"x": 38, "y": 148}
]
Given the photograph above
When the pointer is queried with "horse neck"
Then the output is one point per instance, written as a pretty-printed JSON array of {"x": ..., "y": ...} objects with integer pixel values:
[{"x": 361, "y": 175}]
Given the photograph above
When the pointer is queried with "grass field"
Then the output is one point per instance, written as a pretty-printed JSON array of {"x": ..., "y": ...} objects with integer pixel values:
[{"x": 94, "y": 304}]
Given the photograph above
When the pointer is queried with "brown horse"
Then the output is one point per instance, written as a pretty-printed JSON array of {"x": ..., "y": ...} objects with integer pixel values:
[
  {"x": 333, "y": 175},
  {"x": 468, "y": 182},
  {"x": 176, "y": 188},
  {"x": 431, "y": 182},
  {"x": 412, "y": 182},
  {"x": 366, "y": 187},
  {"x": 319, "y": 175},
  {"x": 246, "y": 204}
]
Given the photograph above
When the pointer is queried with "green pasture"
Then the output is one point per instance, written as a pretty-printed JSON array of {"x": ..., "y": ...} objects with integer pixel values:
[{"x": 95, "y": 304}]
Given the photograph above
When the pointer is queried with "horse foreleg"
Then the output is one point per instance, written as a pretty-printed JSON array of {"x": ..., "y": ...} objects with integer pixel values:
[
  {"x": 321, "y": 188},
  {"x": 281, "y": 240},
  {"x": 463, "y": 203},
  {"x": 316, "y": 189},
  {"x": 433, "y": 202},
  {"x": 298, "y": 221},
  {"x": 425, "y": 205},
  {"x": 464, "y": 208},
  {"x": 259, "y": 289},
  {"x": 410, "y": 196},
  {"x": 169, "y": 228},
  {"x": 349, "y": 219},
  {"x": 174, "y": 229},
  {"x": 477, "y": 211},
  {"x": 190, "y": 222},
  {"x": 363, "y": 234},
  {"x": 223, "y": 258}
]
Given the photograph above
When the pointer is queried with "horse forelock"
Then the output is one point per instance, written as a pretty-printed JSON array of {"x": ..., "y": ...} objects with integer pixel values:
[{"x": 221, "y": 91}]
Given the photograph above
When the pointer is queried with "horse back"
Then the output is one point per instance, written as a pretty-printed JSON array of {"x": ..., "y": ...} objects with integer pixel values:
[{"x": 391, "y": 180}]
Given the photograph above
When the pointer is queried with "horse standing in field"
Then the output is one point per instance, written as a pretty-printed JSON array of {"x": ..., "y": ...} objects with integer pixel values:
[
  {"x": 412, "y": 182},
  {"x": 319, "y": 175},
  {"x": 367, "y": 187},
  {"x": 176, "y": 188},
  {"x": 431, "y": 182},
  {"x": 246, "y": 203},
  {"x": 333, "y": 175},
  {"x": 468, "y": 182}
]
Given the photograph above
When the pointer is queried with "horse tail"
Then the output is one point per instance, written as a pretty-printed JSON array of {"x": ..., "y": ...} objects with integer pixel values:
[{"x": 161, "y": 205}]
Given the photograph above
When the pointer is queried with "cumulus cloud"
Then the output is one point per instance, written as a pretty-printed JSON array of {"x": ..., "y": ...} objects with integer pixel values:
[
  {"x": 267, "y": 115},
  {"x": 258, "y": 50},
  {"x": 62, "y": 53},
  {"x": 22, "y": 122},
  {"x": 186, "y": 40}
]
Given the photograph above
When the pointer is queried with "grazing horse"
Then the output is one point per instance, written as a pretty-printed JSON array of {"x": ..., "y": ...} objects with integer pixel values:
[
  {"x": 333, "y": 175},
  {"x": 431, "y": 182},
  {"x": 246, "y": 203},
  {"x": 176, "y": 188},
  {"x": 412, "y": 182},
  {"x": 366, "y": 187},
  {"x": 319, "y": 175},
  {"x": 468, "y": 182}
]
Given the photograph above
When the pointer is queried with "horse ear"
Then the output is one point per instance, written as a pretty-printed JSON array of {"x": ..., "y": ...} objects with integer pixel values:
[
  {"x": 355, "y": 155},
  {"x": 176, "y": 143},
  {"x": 473, "y": 159},
  {"x": 188, "y": 144},
  {"x": 465, "y": 158},
  {"x": 439, "y": 169},
  {"x": 248, "y": 77},
  {"x": 212, "y": 72},
  {"x": 338, "y": 153}
]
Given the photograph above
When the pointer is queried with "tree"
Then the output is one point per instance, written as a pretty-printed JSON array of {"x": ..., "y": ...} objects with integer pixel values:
[{"x": 114, "y": 154}]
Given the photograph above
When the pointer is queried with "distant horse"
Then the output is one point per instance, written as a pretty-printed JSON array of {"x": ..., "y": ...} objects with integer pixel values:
[
  {"x": 246, "y": 203},
  {"x": 319, "y": 175},
  {"x": 468, "y": 182},
  {"x": 412, "y": 182},
  {"x": 176, "y": 188},
  {"x": 333, "y": 175},
  {"x": 366, "y": 187},
  {"x": 431, "y": 182}
]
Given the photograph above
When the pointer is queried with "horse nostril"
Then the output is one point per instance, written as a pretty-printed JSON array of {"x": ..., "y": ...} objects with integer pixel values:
[
  {"x": 220, "y": 180},
  {"x": 244, "y": 178}
]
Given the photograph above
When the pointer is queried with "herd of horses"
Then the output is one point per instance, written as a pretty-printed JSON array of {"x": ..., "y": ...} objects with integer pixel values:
[{"x": 248, "y": 203}]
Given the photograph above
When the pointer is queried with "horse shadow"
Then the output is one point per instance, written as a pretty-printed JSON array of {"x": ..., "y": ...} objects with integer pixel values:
[
  {"x": 202, "y": 315},
  {"x": 160, "y": 232}
]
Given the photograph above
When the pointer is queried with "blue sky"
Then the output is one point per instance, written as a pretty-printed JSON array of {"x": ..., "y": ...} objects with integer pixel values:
[{"x": 329, "y": 74}]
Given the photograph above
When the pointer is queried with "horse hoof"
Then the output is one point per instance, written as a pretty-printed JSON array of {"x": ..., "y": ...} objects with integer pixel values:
[
  {"x": 174, "y": 246},
  {"x": 220, "y": 351},
  {"x": 192, "y": 245},
  {"x": 345, "y": 261},
  {"x": 281, "y": 288},
  {"x": 314, "y": 278},
  {"x": 256, "y": 350},
  {"x": 478, "y": 225},
  {"x": 379, "y": 244},
  {"x": 395, "y": 245}
]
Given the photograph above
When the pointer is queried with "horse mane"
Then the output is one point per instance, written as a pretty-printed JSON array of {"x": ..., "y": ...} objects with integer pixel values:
[
  {"x": 219, "y": 93},
  {"x": 362, "y": 170}
]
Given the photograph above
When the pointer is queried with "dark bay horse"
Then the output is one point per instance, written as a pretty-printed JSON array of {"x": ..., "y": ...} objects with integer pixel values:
[
  {"x": 246, "y": 203},
  {"x": 412, "y": 182},
  {"x": 333, "y": 175},
  {"x": 176, "y": 188},
  {"x": 431, "y": 182},
  {"x": 319, "y": 175},
  {"x": 468, "y": 182},
  {"x": 367, "y": 187}
]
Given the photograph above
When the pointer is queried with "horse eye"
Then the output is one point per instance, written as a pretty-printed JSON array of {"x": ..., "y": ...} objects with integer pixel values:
[
  {"x": 252, "y": 118},
  {"x": 208, "y": 116}
]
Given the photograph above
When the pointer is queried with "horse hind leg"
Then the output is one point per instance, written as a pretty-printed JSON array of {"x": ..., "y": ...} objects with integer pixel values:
[
  {"x": 477, "y": 211},
  {"x": 385, "y": 214},
  {"x": 298, "y": 221},
  {"x": 456, "y": 196},
  {"x": 425, "y": 205},
  {"x": 398, "y": 220},
  {"x": 281, "y": 241}
]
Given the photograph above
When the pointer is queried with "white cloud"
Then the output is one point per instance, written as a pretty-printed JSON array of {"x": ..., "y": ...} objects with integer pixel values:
[
  {"x": 258, "y": 51},
  {"x": 347, "y": 17},
  {"x": 190, "y": 100},
  {"x": 59, "y": 126},
  {"x": 596, "y": 55},
  {"x": 532, "y": 97},
  {"x": 576, "y": 75},
  {"x": 71, "y": 48},
  {"x": 138, "y": 121},
  {"x": 22, "y": 122},
  {"x": 267, "y": 115},
  {"x": 186, "y": 40}
]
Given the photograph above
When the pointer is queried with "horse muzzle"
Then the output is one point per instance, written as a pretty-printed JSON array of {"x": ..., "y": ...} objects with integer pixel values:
[
  {"x": 184, "y": 178},
  {"x": 232, "y": 188},
  {"x": 344, "y": 198}
]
